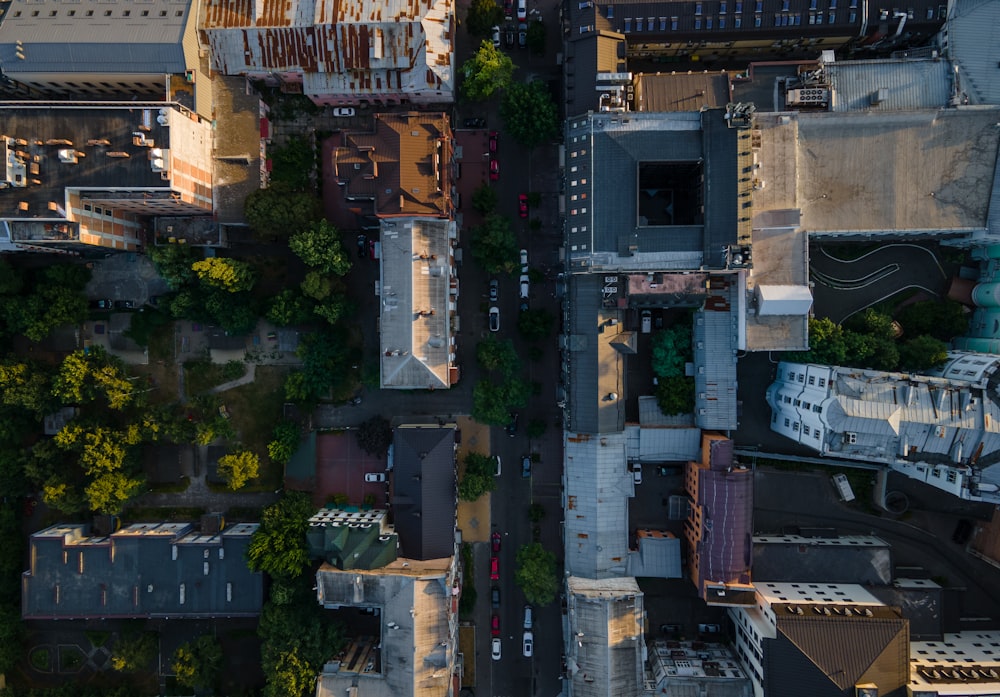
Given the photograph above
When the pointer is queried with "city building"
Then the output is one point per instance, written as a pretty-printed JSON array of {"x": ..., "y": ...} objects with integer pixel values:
[
  {"x": 78, "y": 176},
  {"x": 406, "y": 643},
  {"x": 143, "y": 571},
  {"x": 967, "y": 31},
  {"x": 351, "y": 540},
  {"x": 604, "y": 637},
  {"x": 696, "y": 668},
  {"x": 424, "y": 490},
  {"x": 960, "y": 664},
  {"x": 940, "y": 428},
  {"x": 719, "y": 527},
  {"x": 52, "y": 49},
  {"x": 861, "y": 559},
  {"x": 361, "y": 52},
  {"x": 822, "y": 639}
]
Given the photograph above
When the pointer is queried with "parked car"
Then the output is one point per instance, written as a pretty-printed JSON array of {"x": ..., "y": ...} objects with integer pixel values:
[
  {"x": 494, "y": 170},
  {"x": 497, "y": 459},
  {"x": 494, "y": 568},
  {"x": 637, "y": 472},
  {"x": 494, "y": 290},
  {"x": 101, "y": 304},
  {"x": 344, "y": 111},
  {"x": 495, "y": 543},
  {"x": 522, "y": 10},
  {"x": 474, "y": 122},
  {"x": 522, "y": 205},
  {"x": 527, "y": 616},
  {"x": 509, "y": 35},
  {"x": 508, "y": 9},
  {"x": 495, "y": 648},
  {"x": 523, "y": 283},
  {"x": 522, "y": 35},
  {"x": 670, "y": 629},
  {"x": 494, "y": 140},
  {"x": 647, "y": 321},
  {"x": 371, "y": 250},
  {"x": 963, "y": 531},
  {"x": 512, "y": 426},
  {"x": 494, "y": 597},
  {"x": 362, "y": 246},
  {"x": 524, "y": 261},
  {"x": 528, "y": 644},
  {"x": 496, "y": 36},
  {"x": 708, "y": 628},
  {"x": 494, "y": 319},
  {"x": 526, "y": 466},
  {"x": 375, "y": 477},
  {"x": 495, "y": 625},
  {"x": 124, "y": 305}
]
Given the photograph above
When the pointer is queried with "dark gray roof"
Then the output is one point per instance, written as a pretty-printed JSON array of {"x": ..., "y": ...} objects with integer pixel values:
[
  {"x": 791, "y": 558},
  {"x": 145, "y": 570},
  {"x": 721, "y": 191},
  {"x": 826, "y": 656},
  {"x": 923, "y": 606},
  {"x": 587, "y": 55},
  {"x": 111, "y": 58},
  {"x": 423, "y": 491}
]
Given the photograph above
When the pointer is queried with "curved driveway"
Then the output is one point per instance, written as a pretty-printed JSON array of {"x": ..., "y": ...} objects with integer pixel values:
[{"x": 844, "y": 287}]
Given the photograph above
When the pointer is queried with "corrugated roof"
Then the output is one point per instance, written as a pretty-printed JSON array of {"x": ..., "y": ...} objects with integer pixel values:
[
  {"x": 423, "y": 490},
  {"x": 667, "y": 444},
  {"x": 688, "y": 91},
  {"x": 791, "y": 558},
  {"x": 715, "y": 334},
  {"x": 973, "y": 35},
  {"x": 146, "y": 570},
  {"x": 889, "y": 85},
  {"x": 658, "y": 556},
  {"x": 598, "y": 486}
]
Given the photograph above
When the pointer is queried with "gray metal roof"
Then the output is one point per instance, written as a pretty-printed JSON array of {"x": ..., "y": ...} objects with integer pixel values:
[
  {"x": 663, "y": 443},
  {"x": 889, "y": 85},
  {"x": 145, "y": 570},
  {"x": 418, "y": 647},
  {"x": 598, "y": 486},
  {"x": 423, "y": 490},
  {"x": 606, "y": 645},
  {"x": 94, "y": 37},
  {"x": 864, "y": 559},
  {"x": 973, "y": 33},
  {"x": 658, "y": 556},
  {"x": 715, "y": 336}
]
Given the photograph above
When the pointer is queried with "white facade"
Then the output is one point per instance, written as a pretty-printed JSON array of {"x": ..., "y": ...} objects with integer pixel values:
[
  {"x": 942, "y": 429},
  {"x": 783, "y": 300}
]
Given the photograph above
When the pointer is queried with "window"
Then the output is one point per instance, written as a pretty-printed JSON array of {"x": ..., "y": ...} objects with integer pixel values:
[
  {"x": 812, "y": 379},
  {"x": 818, "y": 409},
  {"x": 145, "y": 13},
  {"x": 812, "y": 18},
  {"x": 708, "y": 22},
  {"x": 722, "y": 22},
  {"x": 697, "y": 22},
  {"x": 801, "y": 378},
  {"x": 697, "y": 9},
  {"x": 819, "y": 18},
  {"x": 649, "y": 23},
  {"x": 756, "y": 20},
  {"x": 126, "y": 13},
  {"x": 739, "y": 7},
  {"x": 930, "y": 13},
  {"x": 777, "y": 20},
  {"x": 738, "y": 22},
  {"x": 787, "y": 423},
  {"x": 854, "y": 4},
  {"x": 833, "y": 4},
  {"x": 760, "y": 6},
  {"x": 722, "y": 7},
  {"x": 628, "y": 24},
  {"x": 663, "y": 23},
  {"x": 822, "y": 382},
  {"x": 805, "y": 429},
  {"x": 53, "y": 13},
  {"x": 611, "y": 11},
  {"x": 831, "y": 18},
  {"x": 795, "y": 426},
  {"x": 784, "y": 5},
  {"x": 853, "y": 17},
  {"x": 798, "y": 19},
  {"x": 673, "y": 24},
  {"x": 812, "y": 4},
  {"x": 638, "y": 23}
]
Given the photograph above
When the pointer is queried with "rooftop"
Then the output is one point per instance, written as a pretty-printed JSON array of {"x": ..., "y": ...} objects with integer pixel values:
[
  {"x": 424, "y": 490},
  {"x": 971, "y": 35},
  {"x": 686, "y": 669},
  {"x": 145, "y": 570},
  {"x": 690, "y": 91},
  {"x": 864, "y": 559},
  {"x": 890, "y": 84}
]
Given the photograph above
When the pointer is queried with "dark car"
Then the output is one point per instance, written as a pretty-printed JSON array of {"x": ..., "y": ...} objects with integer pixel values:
[
  {"x": 475, "y": 123},
  {"x": 526, "y": 466},
  {"x": 362, "y": 246},
  {"x": 509, "y": 36},
  {"x": 124, "y": 305},
  {"x": 494, "y": 290},
  {"x": 963, "y": 531},
  {"x": 371, "y": 250},
  {"x": 495, "y": 543},
  {"x": 494, "y": 597},
  {"x": 522, "y": 35},
  {"x": 101, "y": 304},
  {"x": 508, "y": 9},
  {"x": 512, "y": 426}
]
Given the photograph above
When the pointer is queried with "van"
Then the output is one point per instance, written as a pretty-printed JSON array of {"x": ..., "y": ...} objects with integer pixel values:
[
  {"x": 527, "y": 617},
  {"x": 647, "y": 321}
]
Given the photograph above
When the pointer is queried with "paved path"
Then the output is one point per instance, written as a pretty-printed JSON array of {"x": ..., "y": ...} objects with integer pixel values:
[{"x": 247, "y": 378}]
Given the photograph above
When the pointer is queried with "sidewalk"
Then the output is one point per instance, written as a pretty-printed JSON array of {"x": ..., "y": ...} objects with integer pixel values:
[{"x": 473, "y": 516}]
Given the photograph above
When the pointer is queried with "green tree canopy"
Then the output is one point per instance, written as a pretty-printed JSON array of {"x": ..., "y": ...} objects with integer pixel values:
[
  {"x": 497, "y": 355},
  {"x": 484, "y": 198},
  {"x": 278, "y": 547},
  {"x": 529, "y": 113},
  {"x": 482, "y": 16},
  {"x": 173, "y": 263},
  {"x": 109, "y": 492},
  {"x": 197, "y": 664},
  {"x": 277, "y": 210},
  {"x": 325, "y": 367},
  {"x": 675, "y": 395},
  {"x": 289, "y": 307},
  {"x": 942, "y": 319},
  {"x": 287, "y": 435},
  {"x": 922, "y": 353},
  {"x": 230, "y": 275},
  {"x": 26, "y": 386},
  {"x": 487, "y": 71},
  {"x": 535, "y": 574},
  {"x": 536, "y": 37},
  {"x": 535, "y": 325},
  {"x": 134, "y": 651},
  {"x": 672, "y": 349},
  {"x": 293, "y": 163},
  {"x": 478, "y": 477},
  {"x": 238, "y": 468},
  {"x": 494, "y": 245},
  {"x": 375, "y": 435},
  {"x": 90, "y": 373},
  {"x": 492, "y": 403},
  {"x": 320, "y": 247}
]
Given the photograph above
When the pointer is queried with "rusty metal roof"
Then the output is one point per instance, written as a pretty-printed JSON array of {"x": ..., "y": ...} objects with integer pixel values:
[{"x": 359, "y": 46}]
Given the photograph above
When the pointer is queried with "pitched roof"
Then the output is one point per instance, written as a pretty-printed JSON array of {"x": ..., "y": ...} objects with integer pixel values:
[{"x": 423, "y": 490}]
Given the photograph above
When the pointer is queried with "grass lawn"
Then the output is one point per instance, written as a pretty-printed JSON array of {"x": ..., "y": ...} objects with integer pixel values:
[
  {"x": 161, "y": 369},
  {"x": 256, "y": 409},
  {"x": 202, "y": 375}
]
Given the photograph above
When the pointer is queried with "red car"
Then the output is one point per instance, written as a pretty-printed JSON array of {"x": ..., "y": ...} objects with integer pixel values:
[
  {"x": 494, "y": 170},
  {"x": 494, "y": 569},
  {"x": 495, "y": 625},
  {"x": 371, "y": 249},
  {"x": 495, "y": 540},
  {"x": 522, "y": 205},
  {"x": 494, "y": 136}
]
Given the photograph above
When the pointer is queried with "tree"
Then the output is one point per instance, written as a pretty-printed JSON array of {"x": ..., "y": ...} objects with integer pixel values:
[
  {"x": 275, "y": 211},
  {"x": 494, "y": 245},
  {"x": 497, "y": 355},
  {"x": 325, "y": 367},
  {"x": 278, "y": 547},
  {"x": 197, "y": 664},
  {"x": 36, "y": 315},
  {"x": 922, "y": 353},
  {"x": 941, "y": 319},
  {"x": 289, "y": 307},
  {"x": 536, "y": 37},
  {"x": 134, "y": 651},
  {"x": 488, "y": 70},
  {"x": 316, "y": 285},
  {"x": 492, "y": 403},
  {"x": 484, "y": 198},
  {"x": 671, "y": 349},
  {"x": 238, "y": 468},
  {"x": 535, "y": 325},
  {"x": 319, "y": 246},
  {"x": 11, "y": 638},
  {"x": 230, "y": 275},
  {"x": 293, "y": 163},
  {"x": 11, "y": 280},
  {"x": 173, "y": 263},
  {"x": 478, "y": 477},
  {"x": 63, "y": 496},
  {"x": 25, "y": 386},
  {"x": 675, "y": 395},
  {"x": 332, "y": 308},
  {"x": 483, "y": 15},
  {"x": 287, "y": 435},
  {"x": 88, "y": 373},
  {"x": 375, "y": 435},
  {"x": 109, "y": 492},
  {"x": 826, "y": 344},
  {"x": 529, "y": 113},
  {"x": 536, "y": 574}
]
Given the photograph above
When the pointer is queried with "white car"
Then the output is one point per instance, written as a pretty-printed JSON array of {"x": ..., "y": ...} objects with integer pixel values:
[
  {"x": 496, "y": 37},
  {"x": 375, "y": 477},
  {"x": 524, "y": 261},
  {"x": 498, "y": 469},
  {"x": 496, "y": 648},
  {"x": 344, "y": 111},
  {"x": 494, "y": 319},
  {"x": 522, "y": 10},
  {"x": 524, "y": 286},
  {"x": 637, "y": 472},
  {"x": 529, "y": 644}
]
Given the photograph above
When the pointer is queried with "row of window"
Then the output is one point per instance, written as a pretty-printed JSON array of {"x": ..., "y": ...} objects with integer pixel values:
[
  {"x": 792, "y": 376},
  {"x": 107, "y": 13}
]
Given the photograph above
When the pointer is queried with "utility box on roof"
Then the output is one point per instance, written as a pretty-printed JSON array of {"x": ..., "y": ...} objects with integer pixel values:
[{"x": 783, "y": 300}]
